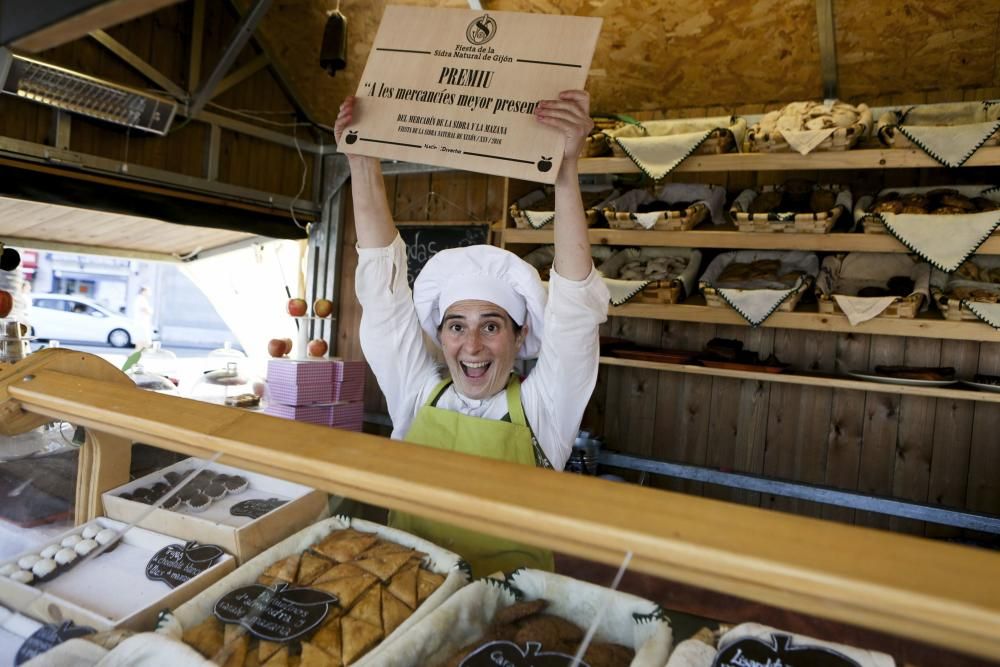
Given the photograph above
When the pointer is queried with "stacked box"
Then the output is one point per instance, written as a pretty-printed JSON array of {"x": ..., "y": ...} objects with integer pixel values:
[{"x": 318, "y": 391}]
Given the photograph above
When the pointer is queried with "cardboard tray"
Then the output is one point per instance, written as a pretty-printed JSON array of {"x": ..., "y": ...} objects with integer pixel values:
[
  {"x": 241, "y": 536},
  {"x": 109, "y": 591}
]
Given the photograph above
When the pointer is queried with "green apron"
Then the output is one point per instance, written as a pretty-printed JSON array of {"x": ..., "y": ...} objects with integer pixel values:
[{"x": 494, "y": 439}]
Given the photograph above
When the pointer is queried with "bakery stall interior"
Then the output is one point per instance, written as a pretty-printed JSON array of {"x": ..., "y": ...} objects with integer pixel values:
[{"x": 791, "y": 452}]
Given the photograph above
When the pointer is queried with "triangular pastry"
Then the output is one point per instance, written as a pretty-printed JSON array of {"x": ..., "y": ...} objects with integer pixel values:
[
  {"x": 285, "y": 569},
  {"x": 278, "y": 659},
  {"x": 314, "y": 656},
  {"x": 311, "y": 567},
  {"x": 328, "y": 638},
  {"x": 339, "y": 571},
  {"x": 236, "y": 641},
  {"x": 206, "y": 637},
  {"x": 384, "y": 567},
  {"x": 348, "y": 589},
  {"x": 368, "y": 608},
  {"x": 394, "y": 612},
  {"x": 266, "y": 649},
  {"x": 404, "y": 585},
  {"x": 427, "y": 583},
  {"x": 345, "y": 545},
  {"x": 359, "y": 638}
]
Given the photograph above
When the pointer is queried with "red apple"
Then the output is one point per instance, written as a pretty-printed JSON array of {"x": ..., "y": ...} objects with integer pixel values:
[
  {"x": 317, "y": 347},
  {"x": 322, "y": 307},
  {"x": 276, "y": 347},
  {"x": 288, "y": 345},
  {"x": 6, "y": 303},
  {"x": 297, "y": 307}
]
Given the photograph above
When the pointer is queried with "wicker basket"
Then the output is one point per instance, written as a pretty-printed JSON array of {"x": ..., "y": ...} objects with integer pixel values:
[
  {"x": 957, "y": 113},
  {"x": 721, "y": 140},
  {"x": 820, "y": 222},
  {"x": 841, "y": 139},
  {"x": 668, "y": 291},
  {"x": 871, "y": 223},
  {"x": 902, "y": 308},
  {"x": 596, "y": 145},
  {"x": 951, "y": 309},
  {"x": 666, "y": 221},
  {"x": 521, "y": 219},
  {"x": 713, "y": 299}
]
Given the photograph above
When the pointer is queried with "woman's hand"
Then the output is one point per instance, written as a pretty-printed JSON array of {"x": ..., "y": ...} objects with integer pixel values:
[
  {"x": 344, "y": 118},
  {"x": 570, "y": 114}
]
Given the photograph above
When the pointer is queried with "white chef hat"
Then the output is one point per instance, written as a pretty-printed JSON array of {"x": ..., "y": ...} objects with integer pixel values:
[{"x": 481, "y": 273}]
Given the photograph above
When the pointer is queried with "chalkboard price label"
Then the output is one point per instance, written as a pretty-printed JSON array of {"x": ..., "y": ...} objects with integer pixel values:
[
  {"x": 278, "y": 614},
  {"x": 778, "y": 650},
  {"x": 48, "y": 636},
  {"x": 176, "y": 564},
  {"x": 509, "y": 654},
  {"x": 256, "y": 507},
  {"x": 422, "y": 243}
]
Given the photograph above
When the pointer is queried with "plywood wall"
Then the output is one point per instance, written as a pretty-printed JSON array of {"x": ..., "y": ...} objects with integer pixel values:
[{"x": 668, "y": 54}]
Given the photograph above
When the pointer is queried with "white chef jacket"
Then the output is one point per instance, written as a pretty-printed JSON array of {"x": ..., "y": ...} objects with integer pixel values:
[{"x": 556, "y": 391}]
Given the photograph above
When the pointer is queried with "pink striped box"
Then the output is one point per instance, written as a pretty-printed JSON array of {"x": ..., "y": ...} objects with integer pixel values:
[
  {"x": 349, "y": 391},
  {"x": 299, "y": 371},
  {"x": 313, "y": 414},
  {"x": 303, "y": 393},
  {"x": 347, "y": 371},
  {"x": 347, "y": 414}
]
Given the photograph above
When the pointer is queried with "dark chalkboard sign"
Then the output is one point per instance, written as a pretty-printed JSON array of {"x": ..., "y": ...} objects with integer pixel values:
[
  {"x": 49, "y": 636},
  {"x": 175, "y": 564},
  {"x": 278, "y": 614},
  {"x": 509, "y": 654},
  {"x": 255, "y": 508},
  {"x": 778, "y": 650},
  {"x": 422, "y": 243}
]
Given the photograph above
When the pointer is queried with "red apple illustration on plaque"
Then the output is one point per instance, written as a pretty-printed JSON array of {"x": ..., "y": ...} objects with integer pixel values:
[
  {"x": 778, "y": 650},
  {"x": 352, "y": 136},
  {"x": 544, "y": 164},
  {"x": 278, "y": 614},
  {"x": 509, "y": 654}
]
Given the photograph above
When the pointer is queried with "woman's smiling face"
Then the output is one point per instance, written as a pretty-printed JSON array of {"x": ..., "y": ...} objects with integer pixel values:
[{"x": 480, "y": 343}]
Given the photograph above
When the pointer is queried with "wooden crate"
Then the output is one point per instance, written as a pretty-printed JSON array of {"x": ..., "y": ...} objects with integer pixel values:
[
  {"x": 903, "y": 307},
  {"x": 667, "y": 221}
]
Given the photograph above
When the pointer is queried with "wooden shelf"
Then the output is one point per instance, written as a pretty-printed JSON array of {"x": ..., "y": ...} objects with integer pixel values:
[
  {"x": 728, "y": 237},
  {"x": 929, "y": 325},
  {"x": 814, "y": 380},
  {"x": 866, "y": 158}
]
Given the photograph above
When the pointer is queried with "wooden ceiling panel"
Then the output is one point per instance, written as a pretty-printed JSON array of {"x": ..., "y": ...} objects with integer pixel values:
[{"x": 918, "y": 45}]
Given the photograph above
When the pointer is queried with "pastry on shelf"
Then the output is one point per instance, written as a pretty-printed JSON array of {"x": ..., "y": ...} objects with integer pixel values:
[
  {"x": 943, "y": 201},
  {"x": 776, "y": 130},
  {"x": 934, "y": 373}
]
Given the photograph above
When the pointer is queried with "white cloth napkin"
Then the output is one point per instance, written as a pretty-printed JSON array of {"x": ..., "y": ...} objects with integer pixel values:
[
  {"x": 539, "y": 219},
  {"x": 647, "y": 220},
  {"x": 951, "y": 146},
  {"x": 692, "y": 653},
  {"x": 861, "y": 309},
  {"x": 987, "y": 312},
  {"x": 622, "y": 291},
  {"x": 756, "y": 305},
  {"x": 943, "y": 240},
  {"x": 804, "y": 141},
  {"x": 658, "y": 156}
]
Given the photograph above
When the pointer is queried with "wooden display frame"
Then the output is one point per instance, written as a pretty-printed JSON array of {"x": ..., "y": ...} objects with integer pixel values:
[{"x": 939, "y": 593}]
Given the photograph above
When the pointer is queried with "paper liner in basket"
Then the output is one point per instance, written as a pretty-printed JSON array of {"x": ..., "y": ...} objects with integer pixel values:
[{"x": 628, "y": 620}]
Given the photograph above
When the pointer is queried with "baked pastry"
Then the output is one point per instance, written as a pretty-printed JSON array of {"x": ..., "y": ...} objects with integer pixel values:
[
  {"x": 900, "y": 285},
  {"x": 917, "y": 372},
  {"x": 765, "y": 202}
]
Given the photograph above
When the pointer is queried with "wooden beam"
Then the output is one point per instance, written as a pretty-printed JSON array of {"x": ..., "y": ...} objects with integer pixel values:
[
  {"x": 197, "y": 44},
  {"x": 934, "y": 592},
  {"x": 138, "y": 64},
  {"x": 104, "y": 15},
  {"x": 826, "y": 32},
  {"x": 243, "y": 73}
]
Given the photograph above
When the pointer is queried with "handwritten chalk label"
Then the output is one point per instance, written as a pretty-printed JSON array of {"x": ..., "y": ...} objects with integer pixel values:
[
  {"x": 422, "y": 243},
  {"x": 778, "y": 650},
  {"x": 255, "y": 508},
  {"x": 509, "y": 654},
  {"x": 47, "y": 636},
  {"x": 278, "y": 614},
  {"x": 176, "y": 564}
]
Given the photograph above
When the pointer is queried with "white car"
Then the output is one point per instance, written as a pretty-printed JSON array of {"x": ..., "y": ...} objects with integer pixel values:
[{"x": 77, "y": 318}]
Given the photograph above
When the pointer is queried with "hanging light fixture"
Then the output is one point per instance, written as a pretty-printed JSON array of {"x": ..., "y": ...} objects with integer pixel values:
[{"x": 333, "y": 54}]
